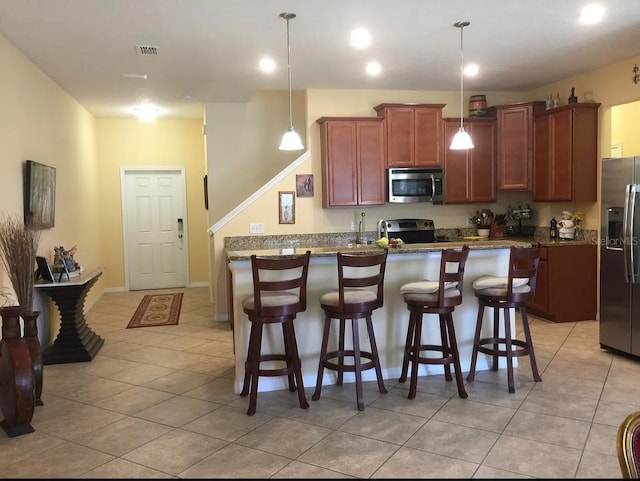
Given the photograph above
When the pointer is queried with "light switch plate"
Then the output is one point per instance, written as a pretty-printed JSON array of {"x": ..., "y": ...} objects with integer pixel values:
[{"x": 256, "y": 228}]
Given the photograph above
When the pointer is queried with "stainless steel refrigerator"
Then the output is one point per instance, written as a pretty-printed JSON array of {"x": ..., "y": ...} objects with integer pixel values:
[{"x": 620, "y": 255}]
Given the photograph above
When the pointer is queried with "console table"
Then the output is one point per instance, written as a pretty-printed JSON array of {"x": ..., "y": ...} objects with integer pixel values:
[{"x": 75, "y": 342}]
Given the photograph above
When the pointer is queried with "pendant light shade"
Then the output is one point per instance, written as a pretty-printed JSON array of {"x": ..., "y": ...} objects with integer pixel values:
[
  {"x": 462, "y": 140},
  {"x": 290, "y": 139}
]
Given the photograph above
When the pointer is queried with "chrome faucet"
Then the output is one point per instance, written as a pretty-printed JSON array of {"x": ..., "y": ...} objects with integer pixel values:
[{"x": 361, "y": 238}]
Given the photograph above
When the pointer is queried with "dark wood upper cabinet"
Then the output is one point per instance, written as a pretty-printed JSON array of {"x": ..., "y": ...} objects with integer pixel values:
[
  {"x": 565, "y": 153},
  {"x": 413, "y": 134},
  {"x": 353, "y": 171},
  {"x": 470, "y": 175},
  {"x": 515, "y": 144}
]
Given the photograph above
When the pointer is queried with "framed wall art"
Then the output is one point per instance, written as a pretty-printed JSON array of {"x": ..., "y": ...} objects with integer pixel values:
[
  {"x": 39, "y": 195},
  {"x": 206, "y": 192},
  {"x": 287, "y": 207},
  {"x": 304, "y": 185}
]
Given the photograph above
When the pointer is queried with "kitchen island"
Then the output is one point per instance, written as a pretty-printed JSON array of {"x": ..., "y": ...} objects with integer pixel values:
[{"x": 405, "y": 264}]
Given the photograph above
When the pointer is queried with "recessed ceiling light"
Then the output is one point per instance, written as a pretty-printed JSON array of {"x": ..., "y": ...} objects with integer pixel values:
[
  {"x": 140, "y": 76},
  {"x": 471, "y": 70},
  {"x": 373, "y": 68},
  {"x": 146, "y": 112},
  {"x": 591, "y": 14},
  {"x": 267, "y": 65},
  {"x": 360, "y": 38}
]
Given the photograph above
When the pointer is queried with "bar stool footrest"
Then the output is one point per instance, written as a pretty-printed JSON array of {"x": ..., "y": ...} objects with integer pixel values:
[
  {"x": 274, "y": 372},
  {"x": 433, "y": 360},
  {"x": 348, "y": 367},
  {"x": 523, "y": 351}
]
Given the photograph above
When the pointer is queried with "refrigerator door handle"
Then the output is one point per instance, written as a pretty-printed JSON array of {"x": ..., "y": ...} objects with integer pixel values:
[{"x": 630, "y": 267}]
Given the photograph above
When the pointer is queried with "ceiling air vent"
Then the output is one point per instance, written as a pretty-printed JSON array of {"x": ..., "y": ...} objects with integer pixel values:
[{"x": 147, "y": 50}]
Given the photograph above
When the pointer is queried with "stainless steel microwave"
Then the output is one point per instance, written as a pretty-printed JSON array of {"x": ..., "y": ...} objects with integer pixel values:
[{"x": 415, "y": 185}]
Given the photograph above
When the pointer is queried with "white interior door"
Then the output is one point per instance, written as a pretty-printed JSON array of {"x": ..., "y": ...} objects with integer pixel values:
[{"x": 155, "y": 228}]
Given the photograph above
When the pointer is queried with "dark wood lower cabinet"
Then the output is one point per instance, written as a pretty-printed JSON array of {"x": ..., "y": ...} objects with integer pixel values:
[{"x": 566, "y": 284}]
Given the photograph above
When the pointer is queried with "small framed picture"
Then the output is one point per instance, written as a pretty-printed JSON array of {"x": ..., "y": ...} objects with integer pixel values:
[
  {"x": 44, "y": 269},
  {"x": 287, "y": 207},
  {"x": 304, "y": 185}
]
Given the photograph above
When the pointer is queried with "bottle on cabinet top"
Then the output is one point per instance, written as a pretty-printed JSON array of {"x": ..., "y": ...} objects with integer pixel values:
[
  {"x": 549, "y": 103},
  {"x": 573, "y": 99},
  {"x": 556, "y": 100}
]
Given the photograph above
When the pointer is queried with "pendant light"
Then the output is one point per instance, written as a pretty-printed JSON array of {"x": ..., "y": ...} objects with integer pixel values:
[
  {"x": 462, "y": 140},
  {"x": 290, "y": 139}
]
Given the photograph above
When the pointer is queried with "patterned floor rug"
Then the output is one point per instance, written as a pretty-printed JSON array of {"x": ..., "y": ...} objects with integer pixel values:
[{"x": 157, "y": 310}]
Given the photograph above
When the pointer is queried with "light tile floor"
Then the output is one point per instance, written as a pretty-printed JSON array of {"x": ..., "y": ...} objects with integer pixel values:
[{"x": 158, "y": 402}]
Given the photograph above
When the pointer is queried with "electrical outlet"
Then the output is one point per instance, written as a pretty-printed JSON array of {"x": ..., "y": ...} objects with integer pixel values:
[{"x": 256, "y": 228}]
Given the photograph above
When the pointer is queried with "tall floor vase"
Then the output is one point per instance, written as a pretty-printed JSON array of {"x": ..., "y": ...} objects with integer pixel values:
[
  {"x": 17, "y": 386},
  {"x": 30, "y": 336}
]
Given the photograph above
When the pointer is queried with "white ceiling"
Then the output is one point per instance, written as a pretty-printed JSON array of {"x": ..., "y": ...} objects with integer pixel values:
[{"x": 208, "y": 50}]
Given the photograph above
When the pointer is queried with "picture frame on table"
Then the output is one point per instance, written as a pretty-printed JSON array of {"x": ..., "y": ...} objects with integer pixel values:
[
  {"x": 287, "y": 207},
  {"x": 44, "y": 269}
]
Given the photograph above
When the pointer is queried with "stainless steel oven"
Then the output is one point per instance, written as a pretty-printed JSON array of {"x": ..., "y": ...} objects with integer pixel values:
[
  {"x": 411, "y": 231},
  {"x": 415, "y": 185}
]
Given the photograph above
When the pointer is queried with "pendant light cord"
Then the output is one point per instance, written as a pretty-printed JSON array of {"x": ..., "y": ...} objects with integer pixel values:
[
  {"x": 461, "y": 75},
  {"x": 289, "y": 75}
]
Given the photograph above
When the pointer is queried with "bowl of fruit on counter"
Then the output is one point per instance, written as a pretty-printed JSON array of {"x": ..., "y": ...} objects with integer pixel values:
[{"x": 393, "y": 242}]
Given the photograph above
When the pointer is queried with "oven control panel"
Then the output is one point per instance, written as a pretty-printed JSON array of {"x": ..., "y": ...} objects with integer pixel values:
[{"x": 411, "y": 231}]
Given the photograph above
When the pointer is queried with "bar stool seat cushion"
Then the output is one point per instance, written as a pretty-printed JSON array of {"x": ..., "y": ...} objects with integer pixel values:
[
  {"x": 351, "y": 296},
  {"x": 430, "y": 297},
  {"x": 425, "y": 287},
  {"x": 270, "y": 299},
  {"x": 496, "y": 282}
]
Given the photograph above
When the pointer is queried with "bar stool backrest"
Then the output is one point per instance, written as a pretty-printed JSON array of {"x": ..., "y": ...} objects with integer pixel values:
[
  {"x": 288, "y": 280},
  {"x": 361, "y": 271},
  {"x": 457, "y": 258},
  {"x": 523, "y": 264}
]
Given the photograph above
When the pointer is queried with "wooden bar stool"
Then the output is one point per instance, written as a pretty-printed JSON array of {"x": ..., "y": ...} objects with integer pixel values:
[
  {"x": 360, "y": 292},
  {"x": 435, "y": 297},
  {"x": 277, "y": 298},
  {"x": 504, "y": 293}
]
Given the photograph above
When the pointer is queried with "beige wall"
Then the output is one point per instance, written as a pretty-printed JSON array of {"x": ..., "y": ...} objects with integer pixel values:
[
  {"x": 242, "y": 145},
  {"x": 41, "y": 122},
  {"x": 131, "y": 143},
  {"x": 625, "y": 122}
]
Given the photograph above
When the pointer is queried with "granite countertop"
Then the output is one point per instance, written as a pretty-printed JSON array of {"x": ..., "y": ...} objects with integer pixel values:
[
  {"x": 331, "y": 251},
  {"x": 327, "y": 245}
]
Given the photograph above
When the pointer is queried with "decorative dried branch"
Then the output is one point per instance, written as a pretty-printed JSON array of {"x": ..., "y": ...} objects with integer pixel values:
[{"x": 18, "y": 249}]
